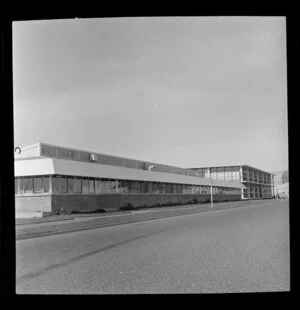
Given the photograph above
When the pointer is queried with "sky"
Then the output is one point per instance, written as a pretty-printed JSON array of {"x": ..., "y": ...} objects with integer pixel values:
[{"x": 182, "y": 91}]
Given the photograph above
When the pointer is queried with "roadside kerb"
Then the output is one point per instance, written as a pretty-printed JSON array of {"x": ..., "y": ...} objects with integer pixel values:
[
  {"x": 112, "y": 221},
  {"x": 71, "y": 217},
  {"x": 65, "y": 217}
]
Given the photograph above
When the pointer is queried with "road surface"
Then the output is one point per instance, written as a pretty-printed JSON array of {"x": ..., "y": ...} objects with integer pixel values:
[{"x": 242, "y": 249}]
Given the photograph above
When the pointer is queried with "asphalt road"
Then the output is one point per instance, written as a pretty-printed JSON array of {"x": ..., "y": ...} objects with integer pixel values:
[{"x": 233, "y": 250}]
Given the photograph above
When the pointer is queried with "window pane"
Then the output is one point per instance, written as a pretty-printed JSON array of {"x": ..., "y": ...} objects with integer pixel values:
[
  {"x": 203, "y": 190},
  {"x": 63, "y": 185},
  {"x": 191, "y": 190},
  {"x": 20, "y": 185},
  {"x": 133, "y": 187},
  {"x": 91, "y": 186},
  {"x": 148, "y": 188},
  {"x": 105, "y": 185},
  {"x": 59, "y": 184},
  {"x": 108, "y": 186},
  {"x": 142, "y": 187},
  {"x": 71, "y": 185},
  {"x": 181, "y": 188},
  {"x": 124, "y": 186},
  {"x": 85, "y": 186},
  {"x": 28, "y": 185},
  {"x": 138, "y": 187},
  {"x": 161, "y": 188},
  {"x": 113, "y": 188},
  {"x": 38, "y": 185},
  {"x": 46, "y": 184},
  {"x": 16, "y": 185},
  {"x": 168, "y": 188},
  {"x": 97, "y": 186},
  {"x": 173, "y": 188},
  {"x": 77, "y": 183},
  {"x": 118, "y": 186}
]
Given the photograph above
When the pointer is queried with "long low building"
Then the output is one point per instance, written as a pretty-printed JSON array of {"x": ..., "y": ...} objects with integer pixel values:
[{"x": 50, "y": 178}]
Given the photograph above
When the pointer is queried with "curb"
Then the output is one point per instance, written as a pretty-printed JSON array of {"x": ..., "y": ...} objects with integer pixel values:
[
  {"x": 118, "y": 213},
  {"x": 71, "y": 217},
  {"x": 90, "y": 227}
]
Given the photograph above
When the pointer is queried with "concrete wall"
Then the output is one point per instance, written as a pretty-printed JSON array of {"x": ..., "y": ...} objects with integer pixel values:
[
  {"x": 33, "y": 203},
  {"x": 28, "y": 152}
]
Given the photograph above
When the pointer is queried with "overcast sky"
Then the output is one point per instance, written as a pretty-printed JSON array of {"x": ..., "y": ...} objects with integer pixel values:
[{"x": 188, "y": 92}]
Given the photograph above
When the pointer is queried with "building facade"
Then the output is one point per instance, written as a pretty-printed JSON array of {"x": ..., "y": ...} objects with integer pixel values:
[
  {"x": 49, "y": 178},
  {"x": 258, "y": 183}
]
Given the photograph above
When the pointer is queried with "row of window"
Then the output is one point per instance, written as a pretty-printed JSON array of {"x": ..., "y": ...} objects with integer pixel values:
[
  {"x": 29, "y": 185},
  {"x": 62, "y": 184},
  {"x": 262, "y": 178},
  {"x": 257, "y": 195},
  {"x": 226, "y": 178},
  {"x": 257, "y": 180}
]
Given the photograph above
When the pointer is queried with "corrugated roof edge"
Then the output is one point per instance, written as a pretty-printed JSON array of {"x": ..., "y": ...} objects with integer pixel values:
[{"x": 115, "y": 156}]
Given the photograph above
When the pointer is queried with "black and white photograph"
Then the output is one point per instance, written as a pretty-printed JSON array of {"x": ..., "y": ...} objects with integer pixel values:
[{"x": 151, "y": 155}]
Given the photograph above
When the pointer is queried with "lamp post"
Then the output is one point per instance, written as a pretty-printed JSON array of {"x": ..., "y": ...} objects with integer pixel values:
[
  {"x": 211, "y": 190},
  {"x": 272, "y": 176}
]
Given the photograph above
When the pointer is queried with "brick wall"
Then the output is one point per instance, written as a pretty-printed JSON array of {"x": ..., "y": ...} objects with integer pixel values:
[
  {"x": 107, "y": 201},
  {"x": 85, "y": 202},
  {"x": 33, "y": 203},
  {"x": 151, "y": 200}
]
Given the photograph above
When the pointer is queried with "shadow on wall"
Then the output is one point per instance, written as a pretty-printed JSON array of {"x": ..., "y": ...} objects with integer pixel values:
[
  {"x": 62, "y": 211},
  {"x": 194, "y": 201}
]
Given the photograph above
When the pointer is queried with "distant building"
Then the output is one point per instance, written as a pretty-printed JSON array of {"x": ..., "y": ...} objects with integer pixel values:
[
  {"x": 282, "y": 190},
  {"x": 278, "y": 177},
  {"x": 281, "y": 184},
  {"x": 258, "y": 183},
  {"x": 49, "y": 178}
]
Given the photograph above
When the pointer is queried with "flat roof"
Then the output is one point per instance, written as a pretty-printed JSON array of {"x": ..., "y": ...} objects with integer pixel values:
[
  {"x": 51, "y": 166},
  {"x": 231, "y": 166}
]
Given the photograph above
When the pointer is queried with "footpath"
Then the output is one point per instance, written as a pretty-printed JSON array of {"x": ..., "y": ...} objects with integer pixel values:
[{"x": 42, "y": 227}]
